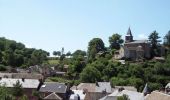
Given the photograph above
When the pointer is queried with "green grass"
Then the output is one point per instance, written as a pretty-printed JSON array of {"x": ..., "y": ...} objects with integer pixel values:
[{"x": 53, "y": 62}]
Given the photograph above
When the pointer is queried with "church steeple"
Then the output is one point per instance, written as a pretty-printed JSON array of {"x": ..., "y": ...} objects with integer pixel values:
[
  {"x": 129, "y": 33},
  {"x": 129, "y": 37}
]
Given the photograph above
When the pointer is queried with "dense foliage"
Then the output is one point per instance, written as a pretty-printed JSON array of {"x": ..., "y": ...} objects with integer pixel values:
[{"x": 16, "y": 54}]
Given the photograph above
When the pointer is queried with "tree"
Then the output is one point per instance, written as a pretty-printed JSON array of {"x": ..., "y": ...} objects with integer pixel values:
[
  {"x": 24, "y": 97},
  {"x": 5, "y": 93},
  {"x": 62, "y": 50},
  {"x": 115, "y": 41},
  {"x": 68, "y": 54},
  {"x": 167, "y": 39},
  {"x": 124, "y": 97},
  {"x": 95, "y": 46},
  {"x": 78, "y": 53},
  {"x": 153, "y": 38},
  {"x": 55, "y": 53},
  {"x": 17, "y": 89},
  {"x": 90, "y": 74}
]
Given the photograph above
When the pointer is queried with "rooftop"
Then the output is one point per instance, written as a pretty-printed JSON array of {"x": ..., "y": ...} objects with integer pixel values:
[
  {"x": 26, "y": 83},
  {"x": 132, "y": 95},
  {"x": 53, "y": 96},
  {"x": 138, "y": 41},
  {"x": 93, "y": 87},
  {"x": 77, "y": 93},
  {"x": 53, "y": 87}
]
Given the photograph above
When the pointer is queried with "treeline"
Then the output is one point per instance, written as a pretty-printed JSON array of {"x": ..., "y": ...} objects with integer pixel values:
[{"x": 16, "y": 54}]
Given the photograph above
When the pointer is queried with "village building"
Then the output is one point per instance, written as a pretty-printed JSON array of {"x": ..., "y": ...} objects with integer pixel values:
[
  {"x": 60, "y": 89},
  {"x": 133, "y": 95},
  {"x": 136, "y": 49},
  {"x": 29, "y": 85},
  {"x": 94, "y": 91}
]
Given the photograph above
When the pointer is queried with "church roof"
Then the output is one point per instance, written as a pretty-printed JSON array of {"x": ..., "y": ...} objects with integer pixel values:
[
  {"x": 129, "y": 33},
  {"x": 138, "y": 41}
]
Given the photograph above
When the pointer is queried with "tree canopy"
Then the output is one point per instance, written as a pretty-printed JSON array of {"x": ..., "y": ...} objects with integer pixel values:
[
  {"x": 115, "y": 41},
  {"x": 95, "y": 46},
  {"x": 16, "y": 54}
]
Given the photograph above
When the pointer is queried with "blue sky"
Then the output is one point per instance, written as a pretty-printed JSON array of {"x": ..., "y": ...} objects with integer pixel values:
[{"x": 53, "y": 24}]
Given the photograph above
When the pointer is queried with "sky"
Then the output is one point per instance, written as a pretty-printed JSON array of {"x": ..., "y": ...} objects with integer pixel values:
[{"x": 53, "y": 24}]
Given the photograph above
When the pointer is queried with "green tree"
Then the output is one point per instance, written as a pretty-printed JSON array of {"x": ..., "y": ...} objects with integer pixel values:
[
  {"x": 24, "y": 97},
  {"x": 68, "y": 54},
  {"x": 153, "y": 38},
  {"x": 115, "y": 41},
  {"x": 79, "y": 53},
  {"x": 5, "y": 93},
  {"x": 167, "y": 39},
  {"x": 55, "y": 53},
  {"x": 90, "y": 74},
  {"x": 124, "y": 97},
  {"x": 95, "y": 46},
  {"x": 17, "y": 89}
]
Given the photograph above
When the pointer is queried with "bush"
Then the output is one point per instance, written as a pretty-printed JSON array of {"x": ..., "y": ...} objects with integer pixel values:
[{"x": 2, "y": 68}]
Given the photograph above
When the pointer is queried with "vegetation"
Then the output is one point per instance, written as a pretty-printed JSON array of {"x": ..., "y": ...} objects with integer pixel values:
[
  {"x": 17, "y": 89},
  {"x": 153, "y": 38},
  {"x": 124, "y": 97},
  {"x": 16, "y": 54}
]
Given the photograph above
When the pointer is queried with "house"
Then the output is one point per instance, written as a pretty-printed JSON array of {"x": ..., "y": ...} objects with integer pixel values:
[
  {"x": 60, "y": 89},
  {"x": 119, "y": 54},
  {"x": 156, "y": 95},
  {"x": 77, "y": 95},
  {"x": 94, "y": 91},
  {"x": 28, "y": 85},
  {"x": 133, "y": 95}
]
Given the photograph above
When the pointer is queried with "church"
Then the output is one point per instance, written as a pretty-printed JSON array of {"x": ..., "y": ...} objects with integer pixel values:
[{"x": 134, "y": 49}]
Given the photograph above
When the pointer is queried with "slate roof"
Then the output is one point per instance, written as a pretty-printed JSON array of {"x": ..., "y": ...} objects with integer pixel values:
[
  {"x": 132, "y": 95},
  {"x": 138, "y": 41},
  {"x": 26, "y": 83},
  {"x": 21, "y": 75},
  {"x": 129, "y": 33},
  {"x": 130, "y": 88},
  {"x": 168, "y": 85},
  {"x": 93, "y": 87},
  {"x": 53, "y": 96},
  {"x": 53, "y": 87}
]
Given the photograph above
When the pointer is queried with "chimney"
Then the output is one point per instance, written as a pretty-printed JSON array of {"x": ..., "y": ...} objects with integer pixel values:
[
  {"x": 97, "y": 83},
  {"x": 23, "y": 79}
]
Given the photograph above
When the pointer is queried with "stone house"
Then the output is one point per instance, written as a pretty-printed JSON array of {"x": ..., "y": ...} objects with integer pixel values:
[
  {"x": 94, "y": 91},
  {"x": 136, "y": 49},
  {"x": 54, "y": 88},
  {"x": 29, "y": 85}
]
